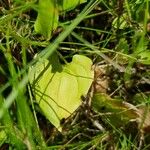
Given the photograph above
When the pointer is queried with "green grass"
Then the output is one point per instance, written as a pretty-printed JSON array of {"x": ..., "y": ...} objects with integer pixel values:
[{"x": 122, "y": 44}]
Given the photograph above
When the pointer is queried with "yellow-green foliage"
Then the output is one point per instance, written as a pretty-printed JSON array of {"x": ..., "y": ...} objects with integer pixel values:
[
  {"x": 48, "y": 14},
  {"x": 58, "y": 89}
]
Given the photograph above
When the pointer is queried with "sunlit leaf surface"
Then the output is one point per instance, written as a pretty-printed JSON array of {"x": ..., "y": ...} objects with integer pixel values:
[
  {"x": 58, "y": 89},
  {"x": 47, "y": 19},
  {"x": 48, "y": 14},
  {"x": 66, "y": 5}
]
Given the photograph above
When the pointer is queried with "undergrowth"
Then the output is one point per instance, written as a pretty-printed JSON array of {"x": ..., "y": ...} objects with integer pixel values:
[{"x": 115, "y": 36}]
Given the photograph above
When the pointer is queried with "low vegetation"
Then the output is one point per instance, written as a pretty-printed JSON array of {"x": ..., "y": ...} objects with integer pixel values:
[{"x": 75, "y": 74}]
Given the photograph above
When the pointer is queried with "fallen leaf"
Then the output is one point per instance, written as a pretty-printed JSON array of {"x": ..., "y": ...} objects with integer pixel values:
[{"x": 120, "y": 112}]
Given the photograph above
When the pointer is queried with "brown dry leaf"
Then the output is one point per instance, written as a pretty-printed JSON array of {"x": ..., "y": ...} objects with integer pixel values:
[
  {"x": 120, "y": 112},
  {"x": 144, "y": 122},
  {"x": 101, "y": 81}
]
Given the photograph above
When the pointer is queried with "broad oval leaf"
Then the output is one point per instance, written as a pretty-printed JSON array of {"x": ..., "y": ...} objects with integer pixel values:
[
  {"x": 47, "y": 19},
  {"x": 58, "y": 93}
]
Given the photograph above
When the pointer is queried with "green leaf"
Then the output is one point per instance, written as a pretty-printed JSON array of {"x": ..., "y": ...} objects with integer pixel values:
[
  {"x": 48, "y": 14},
  {"x": 66, "y": 5},
  {"x": 3, "y": 137},
  {"x": 117, "y": 111},
  {"x": 120, "y": 22},
  {"x": 47, "y": 19},
  {"x": 144, "y": 57},
  {"x": 58, "y": 92},
  {"x": 122, "y": 46}
]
